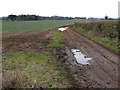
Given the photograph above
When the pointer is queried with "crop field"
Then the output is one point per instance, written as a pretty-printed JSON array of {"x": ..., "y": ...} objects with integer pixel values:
[{"x": 15, "y": 26}]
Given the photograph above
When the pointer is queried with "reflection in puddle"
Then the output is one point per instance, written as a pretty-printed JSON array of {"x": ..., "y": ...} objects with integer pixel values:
[
  {"x": 62, "y": 29},
  {"x": 82, "y": 59}
]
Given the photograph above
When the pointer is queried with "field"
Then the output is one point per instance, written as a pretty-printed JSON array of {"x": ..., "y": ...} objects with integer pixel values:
[
  {"x": 37, "y": 55},
  {"x": 16, "y": 26}
]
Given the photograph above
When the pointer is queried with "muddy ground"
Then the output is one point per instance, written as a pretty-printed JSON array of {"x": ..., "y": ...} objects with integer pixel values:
[
  {"x": 103, "y": 68},
  {"x": 33, "y": 41},
  {"x": 102, "y": 71}
]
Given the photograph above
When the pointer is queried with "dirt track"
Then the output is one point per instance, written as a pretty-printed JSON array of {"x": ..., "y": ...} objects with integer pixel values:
[{"x": 103, "y": 68}]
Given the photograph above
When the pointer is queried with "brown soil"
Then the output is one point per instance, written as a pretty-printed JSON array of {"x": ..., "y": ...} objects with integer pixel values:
[
  {"x": 103, "y": 68},
  {"x": 32, "y": 41}
]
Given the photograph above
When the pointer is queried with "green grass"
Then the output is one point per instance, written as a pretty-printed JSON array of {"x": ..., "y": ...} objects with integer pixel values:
[
  {"x": 26, "y": 69},
  {"x": 106, "y": 29},
  {"x": 109, "y": 43},
  {"x": 105, "y": 32},
  {"x": 56, "y": 40},
  {"x": 32, "y": 67},
  {"x": 15, "y": 26}
]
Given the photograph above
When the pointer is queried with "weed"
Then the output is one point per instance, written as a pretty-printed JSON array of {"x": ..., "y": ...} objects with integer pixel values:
[{"x": 99, "y": 32}]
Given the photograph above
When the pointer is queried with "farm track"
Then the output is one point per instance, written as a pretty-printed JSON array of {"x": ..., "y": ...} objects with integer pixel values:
[{"x": 103, "y": 68}]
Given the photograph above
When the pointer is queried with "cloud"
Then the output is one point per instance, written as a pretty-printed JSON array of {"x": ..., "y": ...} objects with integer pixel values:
[{"x": 88, "y": 8}]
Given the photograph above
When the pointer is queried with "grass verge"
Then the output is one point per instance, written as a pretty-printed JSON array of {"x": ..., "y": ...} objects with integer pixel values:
[
  {"x": 109, "y": 43},
  {"x": 40, "y": 70},
  {"x": 56, "y": 40}
]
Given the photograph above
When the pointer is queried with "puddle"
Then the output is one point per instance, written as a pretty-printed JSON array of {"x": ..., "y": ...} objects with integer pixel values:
[
  {"x": 81, "y": 58},
  {"x": 62, "y": 29}
]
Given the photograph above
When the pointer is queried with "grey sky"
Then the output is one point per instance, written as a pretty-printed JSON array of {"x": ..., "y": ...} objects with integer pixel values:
[{"x": 73, "y": 8}]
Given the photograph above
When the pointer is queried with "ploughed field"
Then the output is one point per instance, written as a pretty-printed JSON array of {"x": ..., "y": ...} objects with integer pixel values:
[{"x": 52, "y": 58}]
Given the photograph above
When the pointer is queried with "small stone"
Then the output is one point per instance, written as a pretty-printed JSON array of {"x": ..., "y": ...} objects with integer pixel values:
[{"x": 108, "y": 82}]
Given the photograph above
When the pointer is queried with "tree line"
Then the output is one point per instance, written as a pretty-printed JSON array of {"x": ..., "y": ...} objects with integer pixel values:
[{"x": 35, "y": 17}]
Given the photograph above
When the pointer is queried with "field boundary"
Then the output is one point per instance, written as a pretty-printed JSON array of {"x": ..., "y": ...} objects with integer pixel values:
[{"x": 109, "y": 49}]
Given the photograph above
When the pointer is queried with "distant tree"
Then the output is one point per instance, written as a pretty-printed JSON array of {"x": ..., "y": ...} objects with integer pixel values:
[
  {"x": 35, "y": 17},
  {"x": 12, "y": 17},
  {"x": 106, "y": 17},
  {"x": 3, "y": 18}
]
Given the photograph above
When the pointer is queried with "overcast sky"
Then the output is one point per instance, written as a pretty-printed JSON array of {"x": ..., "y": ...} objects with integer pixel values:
[{"x": 73, "y": 8}]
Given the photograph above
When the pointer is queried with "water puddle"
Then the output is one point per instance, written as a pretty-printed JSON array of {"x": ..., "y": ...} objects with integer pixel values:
[
  {"x": 62, "y": 29},
  {"x": 81, "y": 58}
]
